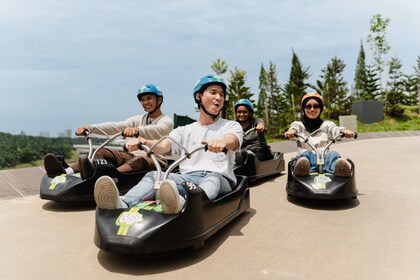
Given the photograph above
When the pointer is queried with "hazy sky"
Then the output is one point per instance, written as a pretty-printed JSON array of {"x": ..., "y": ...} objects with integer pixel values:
[{"x": 68, "y": 63}]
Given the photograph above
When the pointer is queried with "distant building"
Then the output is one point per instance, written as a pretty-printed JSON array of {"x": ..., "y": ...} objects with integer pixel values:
[
  {"x": 67, "y": 133},
  {"x": 44, "y": 134}
]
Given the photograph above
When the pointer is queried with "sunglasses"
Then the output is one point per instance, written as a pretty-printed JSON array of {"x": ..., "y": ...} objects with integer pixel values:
[{"x": 309, "y": 106}]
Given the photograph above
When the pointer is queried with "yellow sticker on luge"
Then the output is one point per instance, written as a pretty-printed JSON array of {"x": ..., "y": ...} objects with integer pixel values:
[{"x": 127, "y": 219}]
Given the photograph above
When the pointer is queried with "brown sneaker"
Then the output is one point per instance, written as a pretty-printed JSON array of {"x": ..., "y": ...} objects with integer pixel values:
[
  {"x": 106, "y": 194},
  {"x": 302, "y": 167},
  {"x": 86, "y": 167},
  {"x": 52, "y": 165},
  {"x": 342, "y": 168},
  {"x": 169, "y": 197}
]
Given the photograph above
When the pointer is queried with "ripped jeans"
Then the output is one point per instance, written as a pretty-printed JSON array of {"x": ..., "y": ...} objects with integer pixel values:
[{"x": 212, "y": 183}]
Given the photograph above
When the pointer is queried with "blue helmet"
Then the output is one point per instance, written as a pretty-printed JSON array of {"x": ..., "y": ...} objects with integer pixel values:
[
  {"x": 244, "y": 102},
  {"x": 149, "y": 88},
  {"x": 208, "y": 80}
]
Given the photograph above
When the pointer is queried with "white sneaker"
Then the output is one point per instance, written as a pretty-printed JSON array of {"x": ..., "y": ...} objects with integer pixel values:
[
  {"x": 169, "y": 197},
  {"x": 302, "y": 167},
  {"x": 106, "y": 194}
]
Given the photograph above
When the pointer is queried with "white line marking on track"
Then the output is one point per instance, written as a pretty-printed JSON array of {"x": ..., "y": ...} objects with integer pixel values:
[{"x": 19, "y": 192}]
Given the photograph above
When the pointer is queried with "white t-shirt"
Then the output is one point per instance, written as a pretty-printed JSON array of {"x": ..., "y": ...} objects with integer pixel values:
[{"x": 191, "y": 136}]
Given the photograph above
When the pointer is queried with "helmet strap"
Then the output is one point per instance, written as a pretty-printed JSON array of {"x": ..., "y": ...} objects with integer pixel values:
[
  {"x": 213, "y": 116},
  {"x": 157, "y": 106}
]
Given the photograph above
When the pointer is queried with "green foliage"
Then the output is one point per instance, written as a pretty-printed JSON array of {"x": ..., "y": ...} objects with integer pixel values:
[
  {"x": 261, "y": 110},
  {"x": 394, "y": 111},
  {"x": 296, "y": 86},
  {"x": 274, "y": 105},
  {"x": 417, "y": 69},
  {"x": 394, "y": 98},
  {"x": 410, "y": 110},
  {"x": 334, "y": 88},
  {"x": 408, "y": 121},
  {"x": 219, "y": 66},
  {"x": 366, "y": 80},
  {"x": 377, "y": 40},
  {"x": 372, "y": 88},
  {"x": 237, "y": 90},
  {"x": 279, "y": 105},
  {"x": 18, "y": 149},
  {"x": 411, "y": 88},
  {"x": 360, "y": 76}
]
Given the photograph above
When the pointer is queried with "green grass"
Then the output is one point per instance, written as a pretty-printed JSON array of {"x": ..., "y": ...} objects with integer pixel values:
[
  {"x": 390, "y": 124},
  {"x": 409, "y": 121}
]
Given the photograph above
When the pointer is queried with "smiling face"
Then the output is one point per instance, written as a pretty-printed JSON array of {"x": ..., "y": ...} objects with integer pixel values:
[
  {"x": 212, "y": 99},
  {"x": 242, "y": 113},
  {"x": 148, "y": 101},
  {"x": 312, "y": 109}
]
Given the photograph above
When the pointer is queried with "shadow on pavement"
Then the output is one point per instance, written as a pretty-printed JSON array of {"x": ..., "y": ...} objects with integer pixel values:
[
  {"x": 264, "y": 180},
  {"x": 69, "y": 206},
  {"x": 156, "y": 264},
  {"x": 330, "y": 205}
]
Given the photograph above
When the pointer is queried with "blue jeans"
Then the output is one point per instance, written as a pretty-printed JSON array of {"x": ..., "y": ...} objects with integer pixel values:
[
  {"x": 212, "y": 183},
  {"x": 329, "y": 161}
]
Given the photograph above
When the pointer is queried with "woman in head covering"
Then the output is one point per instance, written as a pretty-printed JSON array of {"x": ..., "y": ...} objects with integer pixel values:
[{"x": 312, "y": 106}]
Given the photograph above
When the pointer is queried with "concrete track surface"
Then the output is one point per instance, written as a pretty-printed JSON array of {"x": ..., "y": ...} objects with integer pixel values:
[{"x": 375, "y": 236}]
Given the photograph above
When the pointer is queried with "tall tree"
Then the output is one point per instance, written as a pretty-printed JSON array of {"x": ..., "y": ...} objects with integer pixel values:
[
  {"x": 360, "y": 75},
  {"x": 410, "y": 90},
  {"x": 417, "y": 77},
  {"x": 272, "y": 102},
  {"x": 278, "y": 106},
  {"x": 296, "y": 86},
  {"x": 417, "y": 70},
  {"x": 334, "y": 88},
  {"x": 395, "y": 89},
  {"x": 237, "y": 90},
  {"x": 261, "y": 110},
  {"x": 378, "y": 43},
  {"x": 219, "y": 67},
  {"x": 372, "y": 88}
]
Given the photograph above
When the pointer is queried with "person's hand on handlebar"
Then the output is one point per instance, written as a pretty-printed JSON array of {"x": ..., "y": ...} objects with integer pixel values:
[
  {"x": 260, "y": 128},
  {"x": 290, "y": 134},
  {"x": 215, "y": 146},
  {"x": 131, "y": 132},
  {"x": 80, "y": 131},
  {"x": 348, "y": 133},
  {"x": 133, "y": 144}
]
